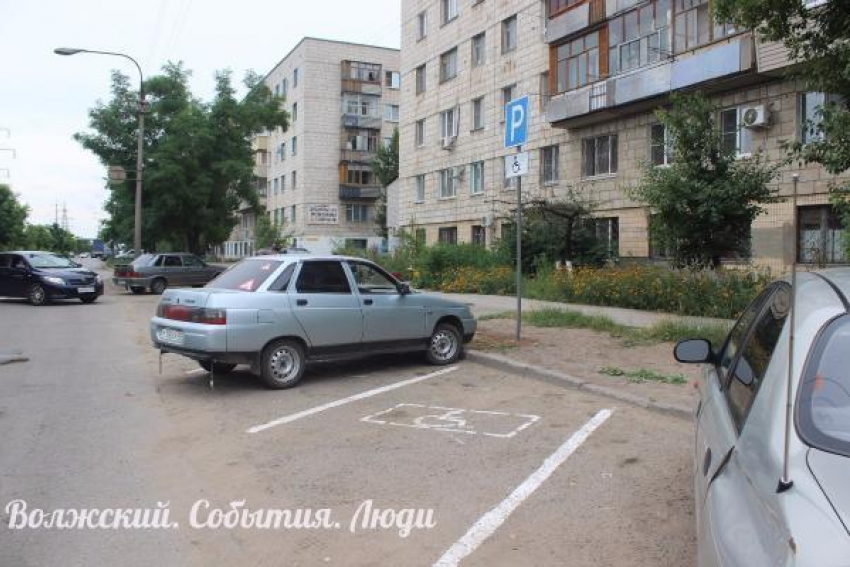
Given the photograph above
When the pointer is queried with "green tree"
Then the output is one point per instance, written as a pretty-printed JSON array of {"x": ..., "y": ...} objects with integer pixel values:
[
  {"x": 267, "y": 235},
  {"x": 38, "y": 237},
  {"x": 385, "y": 168},
  {"x": 705, "y": 202},
  {"x": 198, "y": 157},
  {"x": 13, "y": 216},
  {"x": 817, "y": 38}
]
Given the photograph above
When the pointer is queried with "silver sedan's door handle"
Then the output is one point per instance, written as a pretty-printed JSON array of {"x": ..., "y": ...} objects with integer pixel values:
[
  {"x": 367, "y": 301},
  {"x": 301, "y": 302}
]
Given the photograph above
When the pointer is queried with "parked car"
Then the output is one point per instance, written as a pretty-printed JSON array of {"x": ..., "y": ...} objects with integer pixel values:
[
  {"x": 156, "y": 272},
  {"x": 277, "y": 313},
  {"x": 744, "y": 515},
  {"x": 42, "y": 277}
]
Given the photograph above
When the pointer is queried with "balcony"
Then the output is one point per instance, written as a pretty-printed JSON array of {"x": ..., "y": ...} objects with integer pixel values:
[
  {"x": 360, "y": 121},
  {"x": 360, "y": 87},
  {"x": 359, "y": 192},
  {"x": 720, "y": 65},
  {"x": 357, "y": 156},
  {"x": 574, "y": 20}
]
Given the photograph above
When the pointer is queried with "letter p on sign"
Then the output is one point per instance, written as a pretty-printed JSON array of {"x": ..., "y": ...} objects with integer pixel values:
[{"x": 516, "y": 122}]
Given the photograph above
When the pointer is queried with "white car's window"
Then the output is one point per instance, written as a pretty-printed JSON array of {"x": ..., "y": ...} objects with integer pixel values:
[
  {"x": 322, "y": 277},
  {"x": 739, "y": 334},
  {"x": 824, "y": 400},
  {"x": 246, "y": 275},
  {"x": 370, "y": 280}
]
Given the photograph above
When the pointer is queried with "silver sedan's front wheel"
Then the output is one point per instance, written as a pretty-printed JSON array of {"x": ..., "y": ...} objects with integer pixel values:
[
  {"x": 283, "y": 364},
  {"x": 445, "y": 345}
]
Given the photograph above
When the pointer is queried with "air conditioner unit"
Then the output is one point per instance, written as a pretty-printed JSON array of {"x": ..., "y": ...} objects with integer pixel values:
[
  {"x": 459, "y": 173},
  {"x": 756, "y": 116},
  {"x": 448, "y": 142},
  {"x": 487, "y": 221}
]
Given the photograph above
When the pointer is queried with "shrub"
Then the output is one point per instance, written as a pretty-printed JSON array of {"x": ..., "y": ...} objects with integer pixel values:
[{"x": 496, "y": 280}]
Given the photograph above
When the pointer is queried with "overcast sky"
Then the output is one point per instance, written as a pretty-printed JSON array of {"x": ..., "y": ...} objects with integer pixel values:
[{"x": 45, "y": 98}]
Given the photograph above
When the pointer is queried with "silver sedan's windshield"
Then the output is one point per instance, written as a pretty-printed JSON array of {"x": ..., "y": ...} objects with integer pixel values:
[{"x": 824, "y": 404}]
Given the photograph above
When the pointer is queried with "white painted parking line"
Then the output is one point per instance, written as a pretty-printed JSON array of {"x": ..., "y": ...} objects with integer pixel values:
[
  {"x": 490, "y": 522},
  {"x": 362, "y": 395},
  {"x": 454, "y": 420}
]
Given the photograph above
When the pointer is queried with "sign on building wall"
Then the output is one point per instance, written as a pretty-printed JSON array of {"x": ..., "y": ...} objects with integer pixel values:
[{"x": 322, "y": 214}]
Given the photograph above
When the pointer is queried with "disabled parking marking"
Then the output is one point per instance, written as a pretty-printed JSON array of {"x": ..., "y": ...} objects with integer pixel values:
[
  {"x": 492, "y": 520},
  {"x": 362, "y": 395},
  {"x": 454, "y": 420}
]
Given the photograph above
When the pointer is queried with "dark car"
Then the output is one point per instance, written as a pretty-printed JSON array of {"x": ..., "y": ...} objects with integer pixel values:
[
  {"x": 156, "y": 272},
  {"x": 43, "y": 276}
]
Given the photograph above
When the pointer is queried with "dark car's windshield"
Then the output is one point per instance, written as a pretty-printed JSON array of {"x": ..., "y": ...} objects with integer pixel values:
[
  {"x": 49, "y": 261},
  {"x": 824, "y": 400},
  {"x": 247, "y": 275}
]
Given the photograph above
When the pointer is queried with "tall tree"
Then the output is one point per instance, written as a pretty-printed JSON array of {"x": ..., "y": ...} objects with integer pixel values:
[
  {"x": 705, "y": 202},
  {"x": 13, "y": 216},
  {"x": 198, "y": 158},
  {"x": 385, "y": 167}
]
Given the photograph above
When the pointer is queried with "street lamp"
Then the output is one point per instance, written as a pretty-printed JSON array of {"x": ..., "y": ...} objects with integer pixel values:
[{"x": 141, "y": 134}]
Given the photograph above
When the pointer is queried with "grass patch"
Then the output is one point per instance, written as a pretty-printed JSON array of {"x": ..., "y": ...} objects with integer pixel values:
[
  {"x": 642, "y": 375},
  {"x": 664, "y": 331}
]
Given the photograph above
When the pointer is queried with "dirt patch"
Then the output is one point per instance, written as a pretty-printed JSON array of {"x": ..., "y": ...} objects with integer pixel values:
[{"x": 582, "y": 353}]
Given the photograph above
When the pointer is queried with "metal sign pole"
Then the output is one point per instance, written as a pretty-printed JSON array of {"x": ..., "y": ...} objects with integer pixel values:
[{"x": 518, "y": 253}]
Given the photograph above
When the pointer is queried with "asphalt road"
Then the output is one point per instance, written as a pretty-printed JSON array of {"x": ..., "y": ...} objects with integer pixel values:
[{"x": 497, "y": 469}]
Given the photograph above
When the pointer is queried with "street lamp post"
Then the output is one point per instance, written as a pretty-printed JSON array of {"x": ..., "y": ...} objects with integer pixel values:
[{"x": 137, "y": 240}]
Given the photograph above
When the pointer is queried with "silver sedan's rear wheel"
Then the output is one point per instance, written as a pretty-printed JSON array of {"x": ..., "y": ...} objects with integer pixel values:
[
  {"x": 283, "y": 363},
  {"x": 445, "y": 345}
]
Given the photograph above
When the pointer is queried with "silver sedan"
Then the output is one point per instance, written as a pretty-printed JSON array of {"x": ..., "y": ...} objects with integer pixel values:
[
  {"x": 748, "y": 512},
  {"x": 276, "y": 313}
]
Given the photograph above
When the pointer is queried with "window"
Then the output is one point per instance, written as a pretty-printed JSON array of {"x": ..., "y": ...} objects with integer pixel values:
[
  {"x": 549, "y": 173},
  {"x": 294, "y": 111},
  {"x": 811, "y": 115},
  {"x": 392, "y": 80},
  {"x": 479, "y": 235},
  {"x": 447, "y": 183},
  {"x": 420, "y": 235},
  {"x": 322, "y": 277},
  {"x": 659, "y": 145},
  {"x": 361, "y": 105},
  {"x": 507, "y": 96},
  {"x": 448, "y": 65},
  {"x": 388, "y": 141},
  {"x": 449, "y": 10},
  {"x": 607, "y": 231},
  {"x": 448, "y": 123},
  {"x": 751, "y": 367},
  {"x": 476, "y": 178},
  {"x": 578, "y": 62},
  {"x": 292, "y": 215},
  {"x": 599, "y": 156},
  {"x": 282, "y": 281},
  {"x": 295, "y": 78},
  {"x": 281, "y": 151},
  {"x": 357, "y": 174},
  {"x": 294, "y": 179},
  {"x": 420, "y": 133},
  {"x": 275, "y": 186},
  {"x": 294, "y": 145},
  {"x": 544, "y": 90},
  {"x": 479, "y": 50},
  {"x": 356, "y": 243},
  {"x": 420, "y": 79},
  {"x": 478, "y": 113},
  {"x": 419, "y": 197},
  {"x": 357, "y": 213},
  {"x": 245, "y": 276},
  {"x": 508, "y": 184},
  {"x": 558, "y": 6},
  {"x": 391, "y": 112},
  {"x": 638, "y": 38},
  {"x": 509, "y": 34},
  {"x": 819, "y": 236},
  {"x": 693, "y": 24},
  {"x": 370, "y": 279},
  {"x": 448, "y": 235},
  {"x": 282, "y": 183},
  {"x": 738, "y": 334},
  {"x": 284, "y": 87},
  {"x": 734, "y": 138},
  {"x": 172, "y": 262},
  {"x": 366, "y": 72},
  {"x": 361, "y": 140},
  {"x": 421, "y": 25}
]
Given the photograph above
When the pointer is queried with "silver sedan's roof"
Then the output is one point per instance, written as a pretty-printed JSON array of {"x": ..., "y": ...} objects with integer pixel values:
[{"x": 298, "y": 256}]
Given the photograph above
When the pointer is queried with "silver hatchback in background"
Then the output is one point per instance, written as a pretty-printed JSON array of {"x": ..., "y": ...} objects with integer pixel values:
[
  {"x": 744, "y": 515},
  {"x": 276, "y": 313}
]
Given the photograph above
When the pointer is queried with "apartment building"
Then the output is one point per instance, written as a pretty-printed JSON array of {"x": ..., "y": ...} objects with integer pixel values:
[
  {"x": 595, "y": 72},
  {"x": 241, "y": 242},
  {"x": 343, "y": 101}
]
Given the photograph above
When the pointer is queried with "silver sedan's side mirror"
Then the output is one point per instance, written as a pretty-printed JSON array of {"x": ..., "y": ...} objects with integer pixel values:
[
  {"x": 693, "y": 351},
  {"x": 404, "y": 288}
]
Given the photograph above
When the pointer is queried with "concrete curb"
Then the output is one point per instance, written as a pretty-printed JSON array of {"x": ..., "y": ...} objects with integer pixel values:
[{"x": 529, "y": 370}]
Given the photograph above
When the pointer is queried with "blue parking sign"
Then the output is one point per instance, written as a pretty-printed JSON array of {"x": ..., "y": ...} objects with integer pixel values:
[{"x": 516, "y": 122}]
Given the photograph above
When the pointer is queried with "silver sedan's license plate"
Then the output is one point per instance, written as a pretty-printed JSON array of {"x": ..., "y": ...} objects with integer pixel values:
[
  {"x": 172, "y": 336},
  {"x": 86, "y": 289}
]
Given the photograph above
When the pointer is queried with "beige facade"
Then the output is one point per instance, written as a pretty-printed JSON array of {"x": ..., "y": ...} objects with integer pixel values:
[
  {"x": 605, "y": 86},
  {"x": 343, "y": 101}
]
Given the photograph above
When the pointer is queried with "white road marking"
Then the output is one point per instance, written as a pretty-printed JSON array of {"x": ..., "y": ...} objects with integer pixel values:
[
  {"x": 454, "y": 420},
  {"x": 490, "y": 522},
  {"x": 362, "y": 395}
]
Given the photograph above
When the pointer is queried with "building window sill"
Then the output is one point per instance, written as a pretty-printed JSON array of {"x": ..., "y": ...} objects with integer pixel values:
[
  {"x": 479, "y": 129},
  {"x": 600, "y": 177},
  {"x": 476, "y": 193},
  {"x": 452, "y": 198}
]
